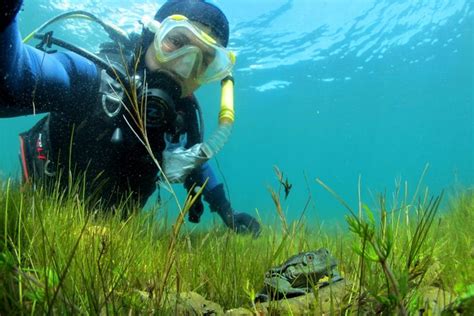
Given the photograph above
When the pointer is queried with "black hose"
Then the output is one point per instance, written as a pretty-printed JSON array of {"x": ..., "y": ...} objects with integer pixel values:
[{"x": 111, "y": 70}]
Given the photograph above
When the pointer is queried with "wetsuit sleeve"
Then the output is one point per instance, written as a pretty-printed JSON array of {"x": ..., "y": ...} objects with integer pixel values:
[
  {"x": 213, "y": 192},
  {"x": 199, "y": 176},
  {"x": 34, "y": 81}
]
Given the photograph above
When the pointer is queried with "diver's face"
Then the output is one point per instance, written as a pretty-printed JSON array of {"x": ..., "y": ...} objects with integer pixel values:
[{"x": 188, "y": 85}]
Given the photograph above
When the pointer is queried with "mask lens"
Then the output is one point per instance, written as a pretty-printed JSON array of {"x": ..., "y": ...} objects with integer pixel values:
[
  {"x": 173, "y": 42},
  {"x": 175, "y": 39},
  {"x": 207, "y": 60},
  {"x": 219, "y": 66},
  {"x": 185, "y": 65}
]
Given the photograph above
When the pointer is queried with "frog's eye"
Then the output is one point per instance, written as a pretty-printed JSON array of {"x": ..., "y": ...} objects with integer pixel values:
[{"x": 309, "y": 258}]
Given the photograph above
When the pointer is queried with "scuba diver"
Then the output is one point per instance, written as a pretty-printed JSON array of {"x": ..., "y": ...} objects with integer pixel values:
[{"x": 91, "y": 130}]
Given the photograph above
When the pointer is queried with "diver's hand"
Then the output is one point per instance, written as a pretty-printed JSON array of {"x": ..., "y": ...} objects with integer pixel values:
[
  {"x": 195, "y": 211},
  {"x": 244, "y": 223},
  {"x": 241, "y": 223}
]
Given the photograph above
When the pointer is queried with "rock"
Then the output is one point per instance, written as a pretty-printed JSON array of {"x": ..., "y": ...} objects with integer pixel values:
[
  {"x": 239, "y": 312},
  {"x": 191, "y": 303},
  {"x": 328, "y": 300}
]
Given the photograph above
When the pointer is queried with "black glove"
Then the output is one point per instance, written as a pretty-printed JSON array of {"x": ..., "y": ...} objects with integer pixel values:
[
  {"x": 239, "y": 222},
  {"x": 246, "y": 224},
  {"x": 196, "y": 210}
]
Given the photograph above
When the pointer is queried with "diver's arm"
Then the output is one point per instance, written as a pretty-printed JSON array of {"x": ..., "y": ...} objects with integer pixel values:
[
  {"x": 199, "y": 176},
  {"x": 213, "y": 192},
  {"x": 32, "y": 81}
]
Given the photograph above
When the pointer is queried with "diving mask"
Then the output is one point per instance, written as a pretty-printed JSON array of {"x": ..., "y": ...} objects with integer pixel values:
[{"x": 189, "y": 51}]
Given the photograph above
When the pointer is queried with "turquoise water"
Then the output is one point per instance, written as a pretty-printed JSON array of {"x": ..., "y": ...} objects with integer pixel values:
[{"x": 334, "y": 90}]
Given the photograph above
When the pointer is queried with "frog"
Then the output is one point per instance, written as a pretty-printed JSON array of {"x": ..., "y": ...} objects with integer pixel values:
[{"x": 298, "y": 275}]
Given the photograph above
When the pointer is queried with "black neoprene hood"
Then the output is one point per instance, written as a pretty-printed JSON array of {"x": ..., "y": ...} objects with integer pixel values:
[{"x": 199, "y": 11}]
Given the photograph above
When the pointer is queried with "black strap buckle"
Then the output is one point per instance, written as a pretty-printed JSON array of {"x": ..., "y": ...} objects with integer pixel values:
[{"x": 46, "y": 40}]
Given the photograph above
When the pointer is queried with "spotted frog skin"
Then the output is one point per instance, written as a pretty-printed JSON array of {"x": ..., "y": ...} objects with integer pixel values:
[{"x": 298, "y": 275}]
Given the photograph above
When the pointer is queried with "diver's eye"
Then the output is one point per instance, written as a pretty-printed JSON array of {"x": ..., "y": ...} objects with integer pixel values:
[{"x": 174, "y": 42}]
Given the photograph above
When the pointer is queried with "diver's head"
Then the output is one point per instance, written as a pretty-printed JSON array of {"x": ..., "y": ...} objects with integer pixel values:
[
  {"x": 201, "y": 12},
  {"x": 188, "y": 40}
]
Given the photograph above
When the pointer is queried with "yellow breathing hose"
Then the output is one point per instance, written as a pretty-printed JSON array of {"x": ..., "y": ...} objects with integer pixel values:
[
  {"x": 211, "y": 146},
  {"x": 226, "y": 114}
]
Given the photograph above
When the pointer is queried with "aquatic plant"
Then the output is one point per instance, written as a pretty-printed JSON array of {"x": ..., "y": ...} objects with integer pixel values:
[{"x": 59, "y": 255}]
